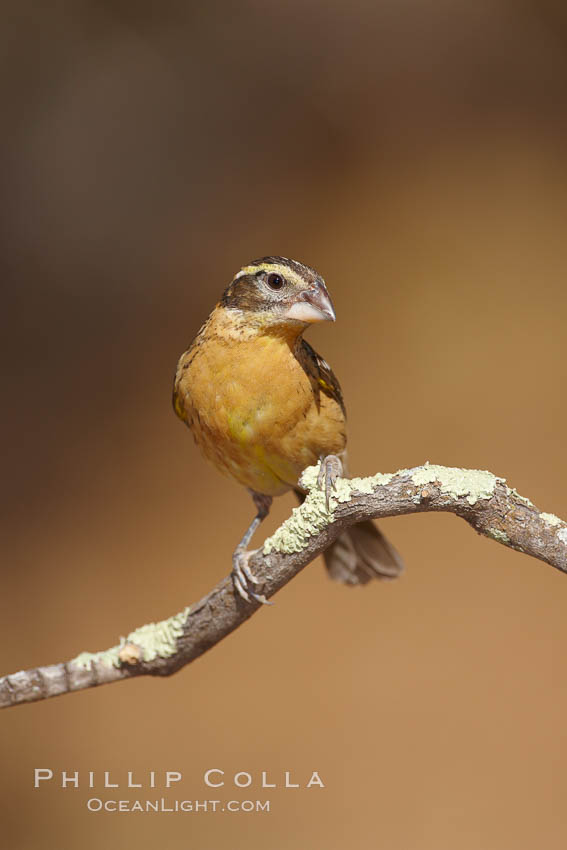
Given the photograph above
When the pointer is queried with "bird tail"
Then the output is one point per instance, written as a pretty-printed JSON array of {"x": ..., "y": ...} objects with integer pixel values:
[{"x": 360, "y": 554}]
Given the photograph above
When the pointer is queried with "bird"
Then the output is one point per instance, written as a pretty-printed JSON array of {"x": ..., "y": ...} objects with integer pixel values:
[{"x": 263, "y": 405}]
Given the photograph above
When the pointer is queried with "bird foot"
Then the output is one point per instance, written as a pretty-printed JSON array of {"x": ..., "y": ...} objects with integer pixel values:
[
  {"x": 243, "y": 577},
  {"x": 330, "y": 469}
]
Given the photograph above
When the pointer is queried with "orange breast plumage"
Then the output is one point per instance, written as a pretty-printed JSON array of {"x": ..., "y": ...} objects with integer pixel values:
[{"x": 258, "y": 402}]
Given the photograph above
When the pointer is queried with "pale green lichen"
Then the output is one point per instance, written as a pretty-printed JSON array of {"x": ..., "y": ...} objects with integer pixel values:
[
  {"x": 475, "y": 484},
  {"x": 345, "y": 487},
  {"x": 108, "y": 657},
  {"x": 155, "y": 640},
  {"x": 550, "y": 519},
  {"x": 498, "y": 535},
  {"x": 312, "y": 516},
  {"x": 305, "y": 521},
  {"x": 562, "y": 534}
]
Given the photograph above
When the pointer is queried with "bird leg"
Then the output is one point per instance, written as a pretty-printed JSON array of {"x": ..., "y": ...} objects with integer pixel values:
[
  {"x": 242, "y": 575},
  {"x": 330, "y": 469}
]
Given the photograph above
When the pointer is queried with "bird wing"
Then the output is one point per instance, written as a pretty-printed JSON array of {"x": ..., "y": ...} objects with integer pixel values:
[
  {"x": 320, "y": 374},
  {"x": 180, "y": 393}
]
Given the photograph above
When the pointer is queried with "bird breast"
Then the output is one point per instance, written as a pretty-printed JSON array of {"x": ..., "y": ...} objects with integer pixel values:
[{"x": 252, "y": 409}]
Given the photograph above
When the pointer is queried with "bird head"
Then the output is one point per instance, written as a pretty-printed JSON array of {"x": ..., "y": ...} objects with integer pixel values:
[{"x": 280, "y": 291}]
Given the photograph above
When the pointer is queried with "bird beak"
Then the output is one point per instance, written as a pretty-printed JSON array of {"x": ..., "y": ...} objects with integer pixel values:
[{"x": 313, "y": 305}]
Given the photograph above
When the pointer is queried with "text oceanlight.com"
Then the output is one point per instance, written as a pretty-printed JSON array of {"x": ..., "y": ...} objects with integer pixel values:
[{"x": 95, "y": 804}]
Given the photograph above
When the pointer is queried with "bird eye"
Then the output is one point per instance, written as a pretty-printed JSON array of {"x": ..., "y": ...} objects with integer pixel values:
[{"x": 275, "y": 281}]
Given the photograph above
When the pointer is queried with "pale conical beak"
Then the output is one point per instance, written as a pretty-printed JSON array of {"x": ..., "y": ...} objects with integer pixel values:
[{"x": 314, "y": 305}]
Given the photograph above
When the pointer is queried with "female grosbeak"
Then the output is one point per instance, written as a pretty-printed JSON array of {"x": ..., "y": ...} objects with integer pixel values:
[{"x": 263, "y": 405}]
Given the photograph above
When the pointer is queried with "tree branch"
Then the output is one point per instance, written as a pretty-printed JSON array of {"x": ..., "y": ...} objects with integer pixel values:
[{"x": 160, "y": 649}]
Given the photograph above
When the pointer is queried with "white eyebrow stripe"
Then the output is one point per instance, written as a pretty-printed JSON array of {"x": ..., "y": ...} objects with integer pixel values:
[{"x": 280, "y": 268}]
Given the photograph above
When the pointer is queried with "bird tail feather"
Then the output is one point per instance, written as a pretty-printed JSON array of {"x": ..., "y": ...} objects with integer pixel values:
[{"x": 360, "y": 554}]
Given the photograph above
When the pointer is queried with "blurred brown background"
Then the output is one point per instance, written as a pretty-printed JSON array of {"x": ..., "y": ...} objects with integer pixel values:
[{"x": 413, "y": 152}]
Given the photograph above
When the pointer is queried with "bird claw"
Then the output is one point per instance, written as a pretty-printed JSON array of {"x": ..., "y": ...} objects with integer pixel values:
[
  {"x": 242, "y": 576},
  {"x": 249, "y": 574},
  {"x": 330, "y": 469}
]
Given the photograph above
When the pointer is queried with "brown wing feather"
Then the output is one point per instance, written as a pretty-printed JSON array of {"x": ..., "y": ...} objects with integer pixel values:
[{"x": 320, "y": 374}]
